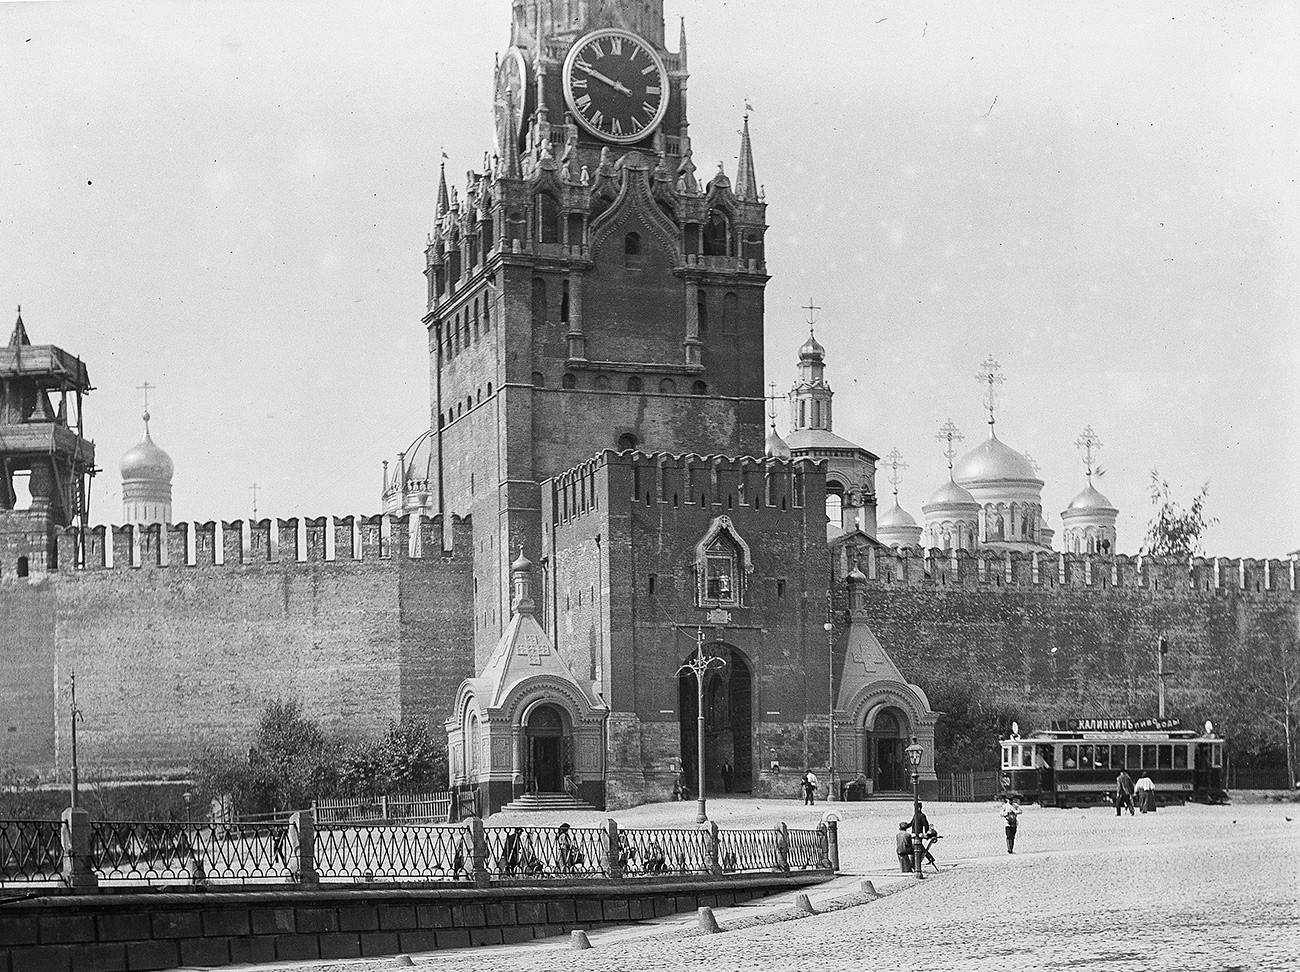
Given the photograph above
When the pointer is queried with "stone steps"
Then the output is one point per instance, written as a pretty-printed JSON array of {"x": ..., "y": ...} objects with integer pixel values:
[{"x": 546, "y": 801}]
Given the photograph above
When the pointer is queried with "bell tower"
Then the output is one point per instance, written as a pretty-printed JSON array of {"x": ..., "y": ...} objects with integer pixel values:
[
  {"x": 586, "y": 291},
  {"x": 46, "y": 461}
]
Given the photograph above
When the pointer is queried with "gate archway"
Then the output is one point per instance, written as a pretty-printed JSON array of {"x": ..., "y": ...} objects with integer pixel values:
[{"x": 728, "y": 722}]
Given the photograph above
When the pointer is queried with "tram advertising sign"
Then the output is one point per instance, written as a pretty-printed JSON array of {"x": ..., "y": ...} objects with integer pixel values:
[{"x": 1114, "y": 725}]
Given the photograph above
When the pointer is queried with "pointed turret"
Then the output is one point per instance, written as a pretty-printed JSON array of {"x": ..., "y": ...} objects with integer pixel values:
[
  {"x": 681, "y": 45},
  {"x": 19, "y": 337},
  {"x": 746, "y": 184},
  {"x": 444, "y": 202}
]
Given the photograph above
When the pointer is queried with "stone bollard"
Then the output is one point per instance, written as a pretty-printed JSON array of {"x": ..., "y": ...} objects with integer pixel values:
[
  {"x": 708, "y": 924},
  {"x": 78, "y": 871},
  {"x": 578, "y": 939},
  {"x": 833, "y": 844},
  {"x": 870, "y": 889},
  {"x": 403, "y": 960},
  {"x": 802, "y": 903}
]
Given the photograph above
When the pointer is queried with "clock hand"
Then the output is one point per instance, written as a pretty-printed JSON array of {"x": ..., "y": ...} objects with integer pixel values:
[{"x": 616, "y": 85}]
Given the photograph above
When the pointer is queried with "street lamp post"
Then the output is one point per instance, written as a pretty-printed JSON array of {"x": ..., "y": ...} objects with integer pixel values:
[
  {"x": 699, "y": 667},
  {"x": 830, "y": 700},
  {"x": 915, "y": 752}
]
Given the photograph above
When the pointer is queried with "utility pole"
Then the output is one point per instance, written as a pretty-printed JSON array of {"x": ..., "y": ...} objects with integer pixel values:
[
  {"x": 830, "y": 695},
  {"x": 1161, "y": 673},
  {"x": 75, "y": 714}
]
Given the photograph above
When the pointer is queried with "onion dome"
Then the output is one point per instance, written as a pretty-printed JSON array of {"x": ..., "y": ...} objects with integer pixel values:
[
  {"x": 950, "y": 494},
  {"x": 895, "y": 519},
  {"x": 145, "y": 460},
  {"x": 775, "y": 447},
  {"x": 856, "y": 576},
  {"x": 1089, "y": 499},
  {"x": 994, "y": 461},
  {"x": 812, "y": 348},
  {"x": 522, "y": 565}
]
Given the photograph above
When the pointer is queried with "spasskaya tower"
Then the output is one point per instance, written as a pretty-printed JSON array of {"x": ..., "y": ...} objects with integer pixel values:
[{"x": 587, "y": 290}]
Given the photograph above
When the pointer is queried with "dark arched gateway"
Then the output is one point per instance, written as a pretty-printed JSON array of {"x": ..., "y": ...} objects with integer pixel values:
[{"x": 728, "y": 722}]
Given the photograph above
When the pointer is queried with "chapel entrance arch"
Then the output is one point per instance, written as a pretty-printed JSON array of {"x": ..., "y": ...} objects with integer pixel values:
[
  {"x": 886, "y": 737},
  {"x": 547, "y": 749},
  {"x": 728, "y": 722}
]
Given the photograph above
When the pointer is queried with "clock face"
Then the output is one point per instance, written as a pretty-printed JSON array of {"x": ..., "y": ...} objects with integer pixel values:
[
  {"x": 615, "y": 85},
  {"x": 512, "y": 77}
]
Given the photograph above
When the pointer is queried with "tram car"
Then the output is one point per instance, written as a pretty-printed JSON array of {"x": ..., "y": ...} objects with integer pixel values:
[{"x": 1075, "y": 763}]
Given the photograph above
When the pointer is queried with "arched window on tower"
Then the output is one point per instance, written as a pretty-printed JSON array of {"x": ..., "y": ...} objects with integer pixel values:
[
  {"x": 569, "y": 380},
  {"x": 548, "y": 218},
  {"x": 627, "y": 442},
  {"x": 633, "y": 259},
  {"x": 539, "y": 301},
  {"x": 835, "y": 503},
  {"x": 634, "y": 384},
  {"x": 667, "y": 386},
  {"x": 699, "y": 388},
  {"x": 721, "y": 572},
  {"x": 717, "y": 235}
]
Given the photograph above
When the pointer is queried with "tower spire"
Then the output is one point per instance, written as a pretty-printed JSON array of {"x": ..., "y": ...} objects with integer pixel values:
[
  {"x": 681, "y": 45},
  {"x": 19, "y": 337},
  {"x": 993, "y": 377},
  {"x": 746, "y": 184},
  {"x": 444, "y": 202}
]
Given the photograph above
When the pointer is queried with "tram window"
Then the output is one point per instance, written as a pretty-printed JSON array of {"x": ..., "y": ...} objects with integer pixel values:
[
  {"x": 1044, "y": 757},
  {"x": 1026, "y": 755},
  {"x": 1070, "y": 759},
  {"x": 1085, "y": 757},
  {"x": 1216, "y": 756},
  {"x": 1148, "y": 757},
  {"x": 1103, "y": 757},
  {"x": 1006, "y": 757},
  {"x": 1180, "y": 757},
  {"x": 1134, "y": 757},
  {"x": 1166, "y": 757}
]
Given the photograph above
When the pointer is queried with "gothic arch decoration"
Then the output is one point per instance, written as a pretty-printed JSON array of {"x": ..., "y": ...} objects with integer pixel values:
[
  {"x": 715, "y": 585},
  {"x": 635, "y": 202}
]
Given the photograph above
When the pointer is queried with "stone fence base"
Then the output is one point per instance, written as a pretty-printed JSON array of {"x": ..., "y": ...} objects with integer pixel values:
[{"x": 129, "y": 931}]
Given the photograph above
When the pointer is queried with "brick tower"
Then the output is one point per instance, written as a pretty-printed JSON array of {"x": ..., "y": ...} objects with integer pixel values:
[
  {"x": 587, "y": 291},
  {"x": 43, "y": 444}
]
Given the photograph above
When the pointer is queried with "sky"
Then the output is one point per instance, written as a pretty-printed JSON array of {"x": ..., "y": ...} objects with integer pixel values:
[{"x": 230, "y": 200}]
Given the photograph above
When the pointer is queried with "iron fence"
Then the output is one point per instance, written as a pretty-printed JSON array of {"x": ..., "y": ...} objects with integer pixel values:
[
  {"x": 191, "y": 853},
  {"x": 532, "y": 853},
  {"x": 31, "y": 852},
  {"x": 666, "y": 851},
  {"x": 807, "y": 849},
  {"x": 394, "y": 853},
  {"x": 749, "y": 850}
]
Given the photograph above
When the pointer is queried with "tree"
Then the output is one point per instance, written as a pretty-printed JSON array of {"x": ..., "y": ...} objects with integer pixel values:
[
  {"x": 289, "y": 764},
  {"x": 408, "y": 758},
  {"x": 1173, "y": 530}
]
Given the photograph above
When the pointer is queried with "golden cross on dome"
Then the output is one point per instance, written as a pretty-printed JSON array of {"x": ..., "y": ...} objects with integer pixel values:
[
  {"x": 145, "y": 388},
  {"x": 810, "y": 307},
  {"x": 253, "y": 489},
  {"x": 949, "y": 433},
  {"x": 772, "y": 398},
  {"x": 894, "y": 461},
  {"x": 1090, "y": 443},
  {"x": 992, "y": 376}
]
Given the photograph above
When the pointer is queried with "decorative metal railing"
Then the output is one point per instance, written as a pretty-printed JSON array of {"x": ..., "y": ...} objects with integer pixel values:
[
  {"x": 749, "y": 850},
  {"x": 299, "y": 851},
  {"x": 31, "y": 852},
  {"x": 192, "y": 853},
  {"x": 533, "y": 853},
  {"x": 668, "y": 851},
  {"x": 807, "y": 849},
  {"x": 394, "y": 853}
]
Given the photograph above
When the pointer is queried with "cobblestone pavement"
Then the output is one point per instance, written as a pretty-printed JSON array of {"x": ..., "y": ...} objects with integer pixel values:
[{"x": 1187, "y": 888}]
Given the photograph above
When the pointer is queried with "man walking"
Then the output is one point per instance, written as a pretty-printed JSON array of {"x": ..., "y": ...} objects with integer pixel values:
[
  {"x": 1010, "y": 814},
  {"x": 1123, "y": 792}
]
